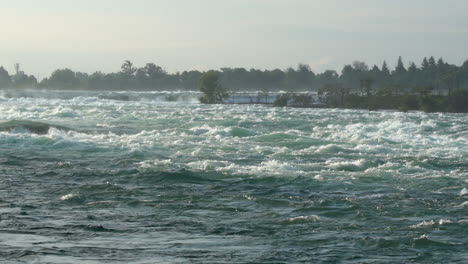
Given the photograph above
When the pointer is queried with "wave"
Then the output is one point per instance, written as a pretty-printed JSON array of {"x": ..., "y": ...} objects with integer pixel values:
[
  {"x": 31, "y": 126},
  {"x": 304, "y": 219},
  {"x": 162, "y": 96}
]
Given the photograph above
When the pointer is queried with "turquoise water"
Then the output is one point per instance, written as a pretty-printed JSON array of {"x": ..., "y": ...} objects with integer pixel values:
[{"x": 152, "y": 178}]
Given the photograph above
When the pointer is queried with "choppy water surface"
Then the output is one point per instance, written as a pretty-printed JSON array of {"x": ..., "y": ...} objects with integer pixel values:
[{"x": 148, "y": 181}]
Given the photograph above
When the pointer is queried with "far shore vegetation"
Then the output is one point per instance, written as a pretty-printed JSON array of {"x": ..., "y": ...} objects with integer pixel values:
[{"x": 432, "y": 86}]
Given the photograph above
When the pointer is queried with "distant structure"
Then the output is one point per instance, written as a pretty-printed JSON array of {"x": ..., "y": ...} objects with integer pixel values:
[
  {"x": 17, "y": 68},
  {"x": 18, "y": 71}
]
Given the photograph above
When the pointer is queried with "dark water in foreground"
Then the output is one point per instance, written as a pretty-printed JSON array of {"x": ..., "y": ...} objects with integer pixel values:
[{"x": 145, "y": 181}]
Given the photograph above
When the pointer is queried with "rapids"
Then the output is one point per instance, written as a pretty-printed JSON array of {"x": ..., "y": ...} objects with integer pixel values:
[{"x": 135, "y": 177}]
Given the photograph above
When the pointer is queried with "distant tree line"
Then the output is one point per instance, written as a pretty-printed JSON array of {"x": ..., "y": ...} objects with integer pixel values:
[
  {"x": 432, "y": 87},
  {"x": 430, "y": 77},
  {"x": 18, "y": 80}
]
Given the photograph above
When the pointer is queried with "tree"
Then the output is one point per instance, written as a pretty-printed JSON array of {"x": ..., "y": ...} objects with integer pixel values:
[
  {"x": 375, "y": 70},
  {"x": 441, "y": 64},
  {"x": 153, "y": 71},
  {"x": 282, "y": 100},
  {"x": 290, "y": 79},
  {"x": 385, "y": 71},
  {"x": 327, "y": 77},
  {"x": 424, "y": 64},
  {"x": 127, "y": 68},
  {"x": 360, "y": 66},
  {"x": 190, "y": 79},
  {"x": 350, "y": 77},
  {"x": 141, "y": 79},
  {"x": 213, "y": 92},
  {"x": 400, "y": 68},
  {"x": 432, "y": 62},
  {"x": 458, "y": 101},
  {"x": 5, "y": 79},
  {"x": 334, "y": 94},
  {"x": 274, "y": 79},
  {"x": 61, "y": 79},
  {"x": 305, "y": 75},
  {"x": 22, "y": 80},
  {"x": 412, "y": 69},
  {"x": 366, "y": 87}
]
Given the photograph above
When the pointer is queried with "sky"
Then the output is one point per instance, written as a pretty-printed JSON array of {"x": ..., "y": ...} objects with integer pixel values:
[{"x": 98, "y": 35}]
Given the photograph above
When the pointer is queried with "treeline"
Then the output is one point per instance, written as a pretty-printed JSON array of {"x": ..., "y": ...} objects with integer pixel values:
[
  {"x": 18, "y": 80},
  {"x": 433, "y": 87},
  {"x": 430, "y": 77},
  {"x": 456, "y": 101}
]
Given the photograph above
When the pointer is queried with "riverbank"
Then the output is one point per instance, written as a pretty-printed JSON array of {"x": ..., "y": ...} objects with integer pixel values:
[{"x": 455, "y": 102}]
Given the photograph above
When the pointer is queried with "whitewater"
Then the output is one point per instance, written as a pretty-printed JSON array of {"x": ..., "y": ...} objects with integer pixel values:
[{"x": 156, "y": 177}]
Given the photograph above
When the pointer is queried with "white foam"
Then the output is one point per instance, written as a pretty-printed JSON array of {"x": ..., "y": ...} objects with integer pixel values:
[
  {"x": 67, "y": 197},
  {"x": 270, "y": 167},
  {"x": 423, "y": 237},
  {"x": 147, "y": 164},
  {"x": 463, "y": 192},
  {"x": 248, "y": 197},
  {"x": 303, "y": 219},
  {"x": 198, "y": 136},
  {"x": 329, "y": 148},
  {"x": 352, "y": 164},
  {"x": 444, "y": 221},
  {"x": 319, "y": 177},
  {"x": 432, "y": 223},
  {"x": 204, "y": 165},
  {"x": 424, "y": 224}
]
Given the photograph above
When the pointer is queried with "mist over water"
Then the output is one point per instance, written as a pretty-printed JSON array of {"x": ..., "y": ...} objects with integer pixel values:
[{"x": 139, "y": 177}]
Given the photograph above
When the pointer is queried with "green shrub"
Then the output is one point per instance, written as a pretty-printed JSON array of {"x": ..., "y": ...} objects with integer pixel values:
[
  {"x": 409, "y": 102},
  {"x": 458, "y": 101},
  {"x": 213, "y": 92},
  {"x": 282, "y": 100},
  {"x": 301, "y": 100}
]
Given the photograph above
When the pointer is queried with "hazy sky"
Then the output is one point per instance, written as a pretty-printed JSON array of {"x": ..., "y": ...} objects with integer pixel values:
[{"x": 91, "y": 35}]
